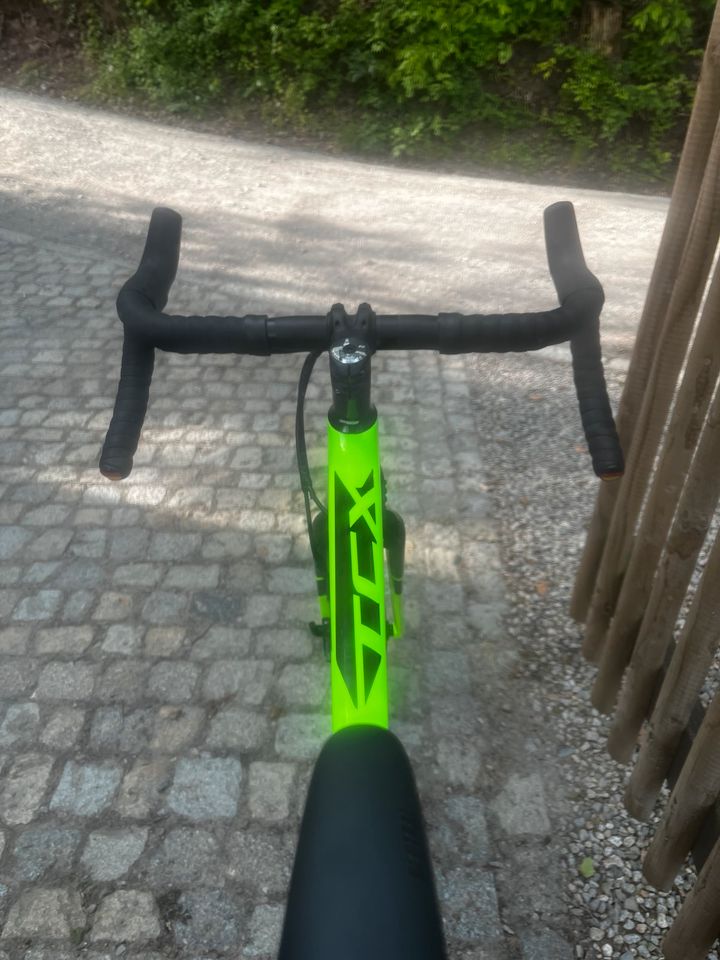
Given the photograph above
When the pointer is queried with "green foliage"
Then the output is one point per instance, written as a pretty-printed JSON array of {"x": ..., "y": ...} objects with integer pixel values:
[
  {"x": 642, "y": 96},
  {"x": 407, "y": 75}
]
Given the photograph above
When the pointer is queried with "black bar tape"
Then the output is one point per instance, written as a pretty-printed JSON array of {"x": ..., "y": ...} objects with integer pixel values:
[
  {"x": 581, "y": 295},
  {"x": 151, "y": 283},
  {"x": 177, "y": 334},
  {"x": 506, "y": 333},
  {"x": 159, "y": 262},
  {"x": 565, "y": 257},
  {"x": 121, "y": 441},
  {"x": 597, "y": 419}
]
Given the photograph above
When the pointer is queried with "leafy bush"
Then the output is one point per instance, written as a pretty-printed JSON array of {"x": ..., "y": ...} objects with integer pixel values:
[
  {"x": 638, "y": 98},
  {"x": 401, "y": 76}
]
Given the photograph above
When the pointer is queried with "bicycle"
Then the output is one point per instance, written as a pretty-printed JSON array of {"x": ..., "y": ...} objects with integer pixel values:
[{"x": 362, "y": 884}]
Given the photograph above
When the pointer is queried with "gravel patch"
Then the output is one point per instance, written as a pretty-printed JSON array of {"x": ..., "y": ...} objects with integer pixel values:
[{"x": 544, "y": 493}]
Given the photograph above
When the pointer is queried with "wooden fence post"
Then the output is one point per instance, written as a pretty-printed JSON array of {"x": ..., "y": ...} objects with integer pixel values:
[
  {"x": 682, "y": 207},
  {"x": 691, "y": 405},
  {"x": 694, "y": 796},
  {"x": 697, "y": 925},
  {"x": 683, "y": 682},
  {"x": 692, "y": 521},
  {"x": 671, "y": 349}
]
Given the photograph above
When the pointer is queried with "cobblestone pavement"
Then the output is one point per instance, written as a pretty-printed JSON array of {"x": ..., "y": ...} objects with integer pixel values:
[
  {"x": 162, "y": 696},
  {"x": 161, "y": 699}
]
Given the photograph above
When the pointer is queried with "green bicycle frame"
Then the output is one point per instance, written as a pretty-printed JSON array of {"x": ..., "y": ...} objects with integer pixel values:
[
  {"x": 350, "y": 536},
  {"x": 358, "y": 627}
]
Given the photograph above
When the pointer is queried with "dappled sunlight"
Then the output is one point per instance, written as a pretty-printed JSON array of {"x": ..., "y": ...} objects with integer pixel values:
[{"x": 280, "y": 231}]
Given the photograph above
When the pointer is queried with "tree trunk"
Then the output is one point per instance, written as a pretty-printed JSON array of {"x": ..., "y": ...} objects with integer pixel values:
[{"x": 604, "y": 27}]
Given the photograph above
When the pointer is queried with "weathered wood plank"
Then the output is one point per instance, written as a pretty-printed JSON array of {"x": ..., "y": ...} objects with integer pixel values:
[
  {"x": 683, "y": 682},
  {"x": 681, "y": 439}
]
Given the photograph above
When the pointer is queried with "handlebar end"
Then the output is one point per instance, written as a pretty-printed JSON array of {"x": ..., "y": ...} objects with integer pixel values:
[
  {"x": 112, "y": 472},
  {"x": 121, "y": 440}
]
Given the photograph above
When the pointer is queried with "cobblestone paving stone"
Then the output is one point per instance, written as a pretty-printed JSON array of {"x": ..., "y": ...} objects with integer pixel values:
[{"x": 161, "y": 700}]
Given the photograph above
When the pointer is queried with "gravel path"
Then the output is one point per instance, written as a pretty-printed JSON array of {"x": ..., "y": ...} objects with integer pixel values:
[{"x": 544, "y": 495}]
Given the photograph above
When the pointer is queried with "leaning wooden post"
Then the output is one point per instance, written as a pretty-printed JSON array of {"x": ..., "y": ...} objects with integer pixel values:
[
  {"x": 689, "y": 666},
  {"x": 691, "y": 405},
  {"x": 690, "y": 526},
  {"x": 681, "y": 313},
  {"x": 694, "y": 796},
  {"x": 686, "y": 190},
  {"x": 698, "y": 924}
]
